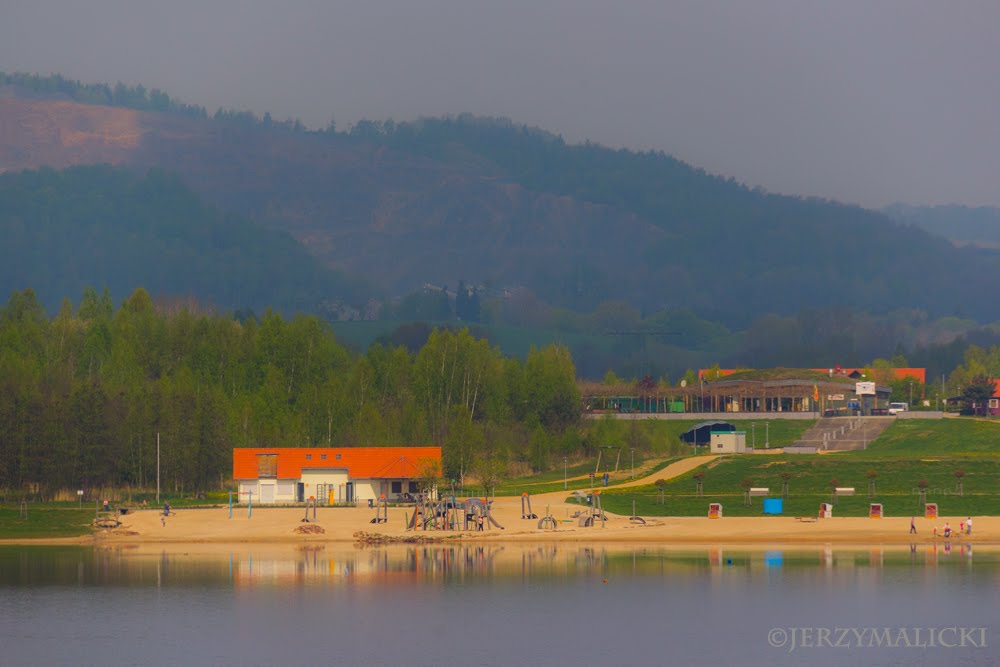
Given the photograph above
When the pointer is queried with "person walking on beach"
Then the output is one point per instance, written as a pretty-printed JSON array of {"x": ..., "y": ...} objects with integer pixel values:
[
  {"x": 913, "y": 526},
  {"x": 968, "y": 526}
]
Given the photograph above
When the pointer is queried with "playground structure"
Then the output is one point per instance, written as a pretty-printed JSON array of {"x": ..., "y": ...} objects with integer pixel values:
[
  {"x": 441, "y": 514},
  {"x": 526, "y": 512},
  {"x": 311, "y": 501},
  {"x": 249, "y": 495},
  {"x": 477, "y": 513},
  {"x": 381, "y": 510},
  {"x": 548, "y": 522},
  {"x": 587, "y": 517},
  {"x": 635, "y": 518}
]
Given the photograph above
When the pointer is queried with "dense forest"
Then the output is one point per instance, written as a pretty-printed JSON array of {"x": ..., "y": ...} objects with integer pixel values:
[{"x": 84, "y": 393}]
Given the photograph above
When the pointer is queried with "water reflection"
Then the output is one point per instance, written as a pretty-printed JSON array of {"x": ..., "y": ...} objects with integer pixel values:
[{"x": 334, "y": 565}]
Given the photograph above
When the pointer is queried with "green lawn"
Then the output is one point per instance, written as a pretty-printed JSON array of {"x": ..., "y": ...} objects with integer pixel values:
[
  {"x": 44, "y": 521},
  {"x": 955, "y": 437}
]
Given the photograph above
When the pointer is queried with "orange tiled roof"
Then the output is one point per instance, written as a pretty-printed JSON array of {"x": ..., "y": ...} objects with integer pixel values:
[{"x": 361, "y": 462}]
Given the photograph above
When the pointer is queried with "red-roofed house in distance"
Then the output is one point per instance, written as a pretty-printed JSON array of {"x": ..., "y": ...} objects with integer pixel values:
[{"x": 279, "y": 475}]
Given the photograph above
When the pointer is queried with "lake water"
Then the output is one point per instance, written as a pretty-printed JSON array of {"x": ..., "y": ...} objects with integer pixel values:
[{"x": 498, "y": 605}]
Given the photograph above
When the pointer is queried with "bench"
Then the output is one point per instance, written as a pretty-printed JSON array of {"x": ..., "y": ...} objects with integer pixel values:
[
  {"x": 759, "y": 491},
  {"x": 844, "y": 491}
]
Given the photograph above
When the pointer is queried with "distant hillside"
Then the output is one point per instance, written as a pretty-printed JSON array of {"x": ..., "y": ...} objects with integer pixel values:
[
  {"x": 489, "y": 201},
  {"x": 960, "y": 224},
  {"x": 102, "y": 226}
]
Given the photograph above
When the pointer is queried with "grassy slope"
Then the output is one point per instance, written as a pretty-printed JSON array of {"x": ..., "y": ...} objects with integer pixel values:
[{"x": 909, "y": 451}]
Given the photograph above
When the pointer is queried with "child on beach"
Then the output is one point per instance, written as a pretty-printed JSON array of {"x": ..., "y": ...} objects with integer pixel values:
[
  {"x": 968, "y": 526},
  {"x": 947, "y": 530},
  {"x": 913, "y": 526}
]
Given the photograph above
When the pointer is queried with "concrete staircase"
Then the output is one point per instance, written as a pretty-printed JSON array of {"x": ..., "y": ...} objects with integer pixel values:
[{"x": 844, "y": 433}]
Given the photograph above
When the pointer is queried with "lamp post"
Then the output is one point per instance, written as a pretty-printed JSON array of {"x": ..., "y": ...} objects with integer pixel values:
[
  {"x": 565, "y": 479},
  {"x": 767, "y": 435},
  {"x": 753, "y": 434},
  {"x": 631, "y": 452}
]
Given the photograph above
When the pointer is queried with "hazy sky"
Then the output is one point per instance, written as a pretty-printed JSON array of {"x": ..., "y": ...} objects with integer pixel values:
[{"x": 869, "y": 101}]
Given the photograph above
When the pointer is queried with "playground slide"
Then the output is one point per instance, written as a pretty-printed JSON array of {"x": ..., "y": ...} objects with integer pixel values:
[{"x": 489, "y": 517}]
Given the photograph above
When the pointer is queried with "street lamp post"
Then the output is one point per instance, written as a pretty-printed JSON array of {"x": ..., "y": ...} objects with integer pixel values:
[
  {"x": 753, "y": 435},
  {"x": 631, "y": 452},
  {"x": 767, "y": 435},
  {"x": 565, "y": 479}
]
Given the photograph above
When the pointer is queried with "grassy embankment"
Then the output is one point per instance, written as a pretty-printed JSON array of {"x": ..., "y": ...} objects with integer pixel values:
[
  {"x": 779, "y": 432},
  {"x": 907, "y": 453}
]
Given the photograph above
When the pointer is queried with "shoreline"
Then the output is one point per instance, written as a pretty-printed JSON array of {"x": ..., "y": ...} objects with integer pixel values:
[{"x": 282, "y": 526}]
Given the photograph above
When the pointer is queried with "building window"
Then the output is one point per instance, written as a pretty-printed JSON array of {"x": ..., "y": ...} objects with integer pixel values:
[
  {"x": 397, "y": 487},
  {"x": 309, "y": 457},
  {"x": 413, "y": 487},
  {"x": 994, "y": 402},
  {"x": 267, "y": 465},
  {"x": 322, "y": 457},
  {"x": 338, "y": 457}
]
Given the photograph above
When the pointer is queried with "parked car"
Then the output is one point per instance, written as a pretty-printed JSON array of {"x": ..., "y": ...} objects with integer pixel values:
[{"x": 896, "y": 408}]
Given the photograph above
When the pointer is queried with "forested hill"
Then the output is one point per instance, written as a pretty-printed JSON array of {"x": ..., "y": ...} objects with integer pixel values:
[
  {"x": 104, "y": 226},
  {"x": 489, "y": 201}
]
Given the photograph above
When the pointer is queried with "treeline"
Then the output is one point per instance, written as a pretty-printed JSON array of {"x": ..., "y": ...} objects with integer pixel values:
[
  {"x": 119, "y": 95},
  {"x": 84, "y": 393}
]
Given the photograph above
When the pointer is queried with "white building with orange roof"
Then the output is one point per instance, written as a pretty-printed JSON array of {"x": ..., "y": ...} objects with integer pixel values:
[{"x": 332, "y": 475}]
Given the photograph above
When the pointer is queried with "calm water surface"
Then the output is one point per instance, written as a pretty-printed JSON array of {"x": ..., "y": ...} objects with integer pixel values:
[{"x": 493, "y": 605}]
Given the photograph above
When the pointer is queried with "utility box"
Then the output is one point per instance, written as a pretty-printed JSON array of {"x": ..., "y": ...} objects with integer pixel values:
[
  {"x": 729, "y": 442},
  {"x": 773, "y": 506}
]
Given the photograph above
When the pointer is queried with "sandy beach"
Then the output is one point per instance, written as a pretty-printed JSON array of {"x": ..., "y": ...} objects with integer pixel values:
[{"x": 213, "y": 525}]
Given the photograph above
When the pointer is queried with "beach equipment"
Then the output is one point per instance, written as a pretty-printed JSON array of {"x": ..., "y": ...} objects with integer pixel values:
[
  {"x": 930, "y": 510},
  {"x": 526, "y": 512},
  {"x": 381, "y": 510},
  {"x": 825, "y": 511},
  {"x": 875, "y": 511},
  {"x": 715, "y": 510}
]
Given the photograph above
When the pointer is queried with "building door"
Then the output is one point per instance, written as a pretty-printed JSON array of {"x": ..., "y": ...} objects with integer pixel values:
[
  {"x": 350, "y": 492},
  {"x": 300, "y": 492}
]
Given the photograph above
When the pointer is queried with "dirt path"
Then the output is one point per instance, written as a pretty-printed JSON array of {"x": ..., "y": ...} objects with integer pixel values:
[{"x": 675, "y": 469}]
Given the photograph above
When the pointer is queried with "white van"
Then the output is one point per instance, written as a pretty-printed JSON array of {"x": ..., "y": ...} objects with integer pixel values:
[{"x": 896, "y": 408}]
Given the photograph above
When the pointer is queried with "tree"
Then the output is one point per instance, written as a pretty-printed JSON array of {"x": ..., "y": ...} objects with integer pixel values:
[
  {"x": 959, "y": 474},
  {"x": 922, "y": 485},
  {"x": 872, "y": 475},
  {"x": 785, "y": 477},
  {"x": 833, "y": 484},
  {"x": 977, "y": 394},
  {"x": 746, "y": 483},
  {"x": 699, "y": 482}
]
